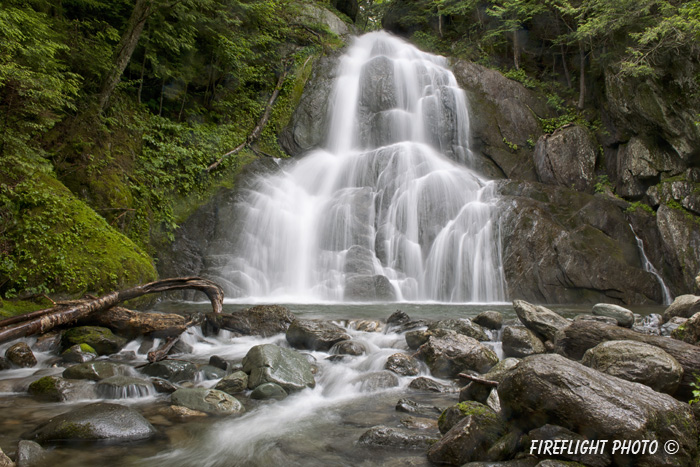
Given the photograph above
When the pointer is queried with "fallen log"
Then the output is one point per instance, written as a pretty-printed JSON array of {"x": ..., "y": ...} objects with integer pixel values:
[
  {"x": 161, "y": 353},
  {"x": 43, "y": 320}
]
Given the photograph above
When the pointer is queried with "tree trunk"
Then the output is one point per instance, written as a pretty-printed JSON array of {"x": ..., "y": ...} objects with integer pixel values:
[
  {"x": 516, "y": 50},
  {"x": 582, "y": 79},
  {"x": 125, "y": 48},
  {"x": 566, "y": 68}
]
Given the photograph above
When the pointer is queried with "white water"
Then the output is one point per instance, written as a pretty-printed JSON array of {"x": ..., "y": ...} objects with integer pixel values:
[
  {"x": 391, "y": 195},
  {"x": 646, "y": 264}
]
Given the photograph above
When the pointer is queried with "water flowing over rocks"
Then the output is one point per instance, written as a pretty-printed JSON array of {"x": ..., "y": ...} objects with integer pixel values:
[
  {"x": 210, "y": 401},
  {"x": 21, "y": 355},
  {"x": 314, "y": 335},
  {"x": 57, "y": 389},
  {"x": 261, "y": 320},
  {"x": 402, "y": 364},
  {"x": 94, "y": 371}
]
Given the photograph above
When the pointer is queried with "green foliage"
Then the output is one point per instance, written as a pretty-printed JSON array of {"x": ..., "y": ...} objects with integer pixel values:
[
  {"x": 696, "y": 390},
  {"x": 603, "y": 184},
  {"x": 640, "y": 205},
  {"x": 511, "y": 145}
]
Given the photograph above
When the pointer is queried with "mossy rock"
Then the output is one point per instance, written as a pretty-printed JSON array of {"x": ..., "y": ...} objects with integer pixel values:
[
  {"x": 452, "y": 415},
  {"x": 102, "y": 340},
  {"x": 79, "y": 353},
  {"x": 50, "y": 388}
]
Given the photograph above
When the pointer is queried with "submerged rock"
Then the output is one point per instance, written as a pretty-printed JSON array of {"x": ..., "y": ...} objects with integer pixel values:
[
  {"x": 314, "y": 334},
  {"x": 206, "y": 400},
  {"x": 270, "y": 363},
  {"x": 234, "y": 383},
  {"x": 370, "y": 382},
  {"x": 268, "y": 391},
  {"x": 409, "y": 406},
  {"x": 95, "y": 371},
  {"x": 94, "y": 422},
  {"x": 175, "y": 371},
  {"x": 387, "y": 437},
  {"x": 57, "y": 389},
  {"x": 101, "y": 339},
  {"x": 453, "y": 353},
  {"x": 21, "y": 355}
]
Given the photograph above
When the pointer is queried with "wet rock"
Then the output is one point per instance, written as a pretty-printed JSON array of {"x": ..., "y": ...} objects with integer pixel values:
[
  {"x": 451, "y": 416},
  {"x": 175, "y": 371},
  {"x": 449, "y": 355},
  {"x": 4, "y": 364},
  {"x": 101, "y": 339},
  {"x": 470, "y": 439},
  {"x": 314, "y": 334},
  {"x": 270, "y": 363},
  {"x": 21, "y": 355},
  {"x": 386, "y": 437},
  {"x": 94, "y": 371},
  {"x": 638, "y": 362},
  {"x": 463, "y": 326},
  {"x": 622, "y": 316},
  {"x": 219, "y": 362},
  {"x": 370, "y": 382},
  {"x": 550, "y": 389},
  {"x": 48, "y": 342},
  {"x": 163, "y": 386},
  {"x": 567, "y": 158},
  {"x": 261, "y": 320},
  {"x": 489, "y": 319},
  {"x": 181, "y": 412},
  {"x": 137, "y": 323},
  {"x": 209, "y": 372},
  {"x": 600, "y": 319},
  {"x": 348, "y": 348},
  {"x": 420, "y": 423},
  {"x": 409, "y": 406},
  {"x": 57, "y": 389},
  {"x": 367, "y": 325},
  {"x": 540, "y": 320},
  {"x": 689, "y": 331},
  {"x": 493, "y": 401},
  {"x": 29, "y": 454},
  {"x": 671, "y": 325},
  {"x": 429, "y": 385},
  {"x": 554, "y": 432},
  {"x": 683, "y": 306},
  {"x": 400, "y": 322},
  {"x": 94, "y": 422},
  {"x": 268, "y": 391},
  {"x": 519, "y": 341},
  {"x": 366, "y": 288},
  {"x": 181, "y": 348},
  {"x": 402, "y": 364},
  {"x": 122, "y": 387},
  {"x": 79, "y": 353},
  {"x": 206, "y": 400}
]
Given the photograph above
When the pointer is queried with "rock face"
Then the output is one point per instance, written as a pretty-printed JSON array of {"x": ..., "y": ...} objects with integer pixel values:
[
  {"x": 99, "y": 338},
  {"x": 567, "y": 158},
  {"x": 21, "y": 355},
  {"x": 261, "y": 320},
  {"x": 689, "y": 331},
  {"x": 622, "y": 316},
  {"x": 270, "y": 363},
  {"x": 640, "y": 163},
  {"x": 680, "y": 234},
  {"x": 542, "y": 321},
  {"x": 206, "y": 400},
  {"x": 519, "y": 341},
  {"x": 544, "y": 389},
  {"x": 637, "y": 362},
  {"x": 453, "y": 353},
  {"x": 95, "y": 422},
  {"x": 314, "y": 335}
]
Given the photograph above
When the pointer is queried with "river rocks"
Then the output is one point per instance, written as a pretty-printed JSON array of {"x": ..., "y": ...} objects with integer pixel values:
[
  {"x": 554, "y": 432},
  {"x": 567, "y": 158},
  {"x": 428, "y": 385},
  {"x": 463, "y": 326},
  {"x": 234, "y": 383},
  {"x": 623, "y": 316},
  {"x": 101, "y": 339},
  {"x": 268, "y": 391},
  {"x": 400, "y": 322},
  {"x": 57, "y": 389},
  {"x": 348, "y": 348},
  {"x": 121, "y": 387},
  {"x": 206, "y": 400},
  {"x": 314, "y": 334},
  {"x": 453, "y": 353},
  {"x": 387, "y": 437},
  {"x": 489, "y": 319},
  {"x": 5, "y": 364},
  {"x": 409, "y": 406},
  {"x": 540, "y": 320},
  {"x": 261, "y": 320},
  {"x": 79, "y": 353},
  {"x": 689, "y": 331},
  {"x": 519, "y": 341},
  {"x": 94, "y": 422},
  {"x": 636, "y": 361},
  {"x": 269, "y": 363},
  {"x": 684, "y": 306},
  {"x": 175, "y": 371},
  {"x": 21, "y": 355},
  {"x": 94, "y": 371},
  {"x": 453, "y": 415},
  {"x": 548, "y": 388},
  {"x": 470, "y": 439},
  {"x": 600, "y": 319},
  {"x": 136, "y": 323},
  {"x": 369, "y": 289},
  {"x": 371, "y": 382},
  {"x": 402, "y": 364},
  {"x": 29, "y": 454}
]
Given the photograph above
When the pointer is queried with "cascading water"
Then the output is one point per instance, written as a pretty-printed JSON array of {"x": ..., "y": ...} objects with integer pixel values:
[
  {"x": 649, "y": 267},
  {"x": 390, "y": 209}
]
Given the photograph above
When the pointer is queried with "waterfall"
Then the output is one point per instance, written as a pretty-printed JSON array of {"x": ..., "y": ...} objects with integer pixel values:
[
  {"x": 646, "y": 264},
  {"x": 389, "y": 209}
]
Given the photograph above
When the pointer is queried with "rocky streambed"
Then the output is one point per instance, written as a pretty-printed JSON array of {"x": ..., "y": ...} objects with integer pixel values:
[{"x": 263, "y": 386}]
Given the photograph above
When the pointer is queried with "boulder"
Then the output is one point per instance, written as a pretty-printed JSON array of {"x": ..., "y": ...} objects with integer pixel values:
[
  {"x": 387, "y": 437},
  {"x": 219, "y": 362},
  {"x": 550, "y": 389},
  {"x": 348, "y": 348},
  {"x": 95, "y": 371},
  {"x": 400, "y": 322},
  {"x": 622, "y": 316},
  {"x": 463, "y": 326},
  {"x": 261, "y": 320},
  {"x": 489, "y": 319},
  {"x": 638, "y": 362},
  {"x": 554, "y": 432},
  {"x": 402, "y": 364},
  {"x": 99, "y": 338},
  {"x": 234, "y": 383},
  {"x": 79, "y": 353},
  {"x": 206, "y": 400},
  {"x": 122, "y": 387},
  {"x": 451, "y": 416},
  {"x": 95, "y": 422},
  {"x": 21, "y": 355},
  {"x": 575, "y": 340},
  {"x": 567, "y": 158},
  {"x": 268, "y": 391},
  {"x": 470, "y": 439},
  {"x": 57, "y": 389},
  {"x": 314, "y": 334},
  {"x": 519, "y": 341},
  {"x": 137, "y": 323},
  {"x": 175, "y": 371},
  {"x": 428, "y": 385},
  {"x": 29, "y": 453},
  {"x": 689, "y": 331},
  {"x": 366, "y": 288},
  {"x": 683, "y": 306},
  {"x": 453, "y": 353},
  {"x": 210, "y": 372},
  {"x": 270, "y": 363},
  {"x": 542, "y": 321}
]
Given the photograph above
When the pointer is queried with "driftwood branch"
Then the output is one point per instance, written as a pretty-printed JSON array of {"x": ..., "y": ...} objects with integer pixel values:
[
  {"x": 486, "y": 382},
  {"x": 161, "y": 353},
  {"x": 41, "y": 321},
  {"x": 257, "y": 131}
]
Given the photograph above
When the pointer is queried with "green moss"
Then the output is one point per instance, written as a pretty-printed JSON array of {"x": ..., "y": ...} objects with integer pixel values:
[
  {"x": 70, "y": 430},
  {"x": 10, "y": 308},
  {"x": 640, "y": 205},
  {"x": 87, "y": 348},
  {"x": 43, "y": 385}
]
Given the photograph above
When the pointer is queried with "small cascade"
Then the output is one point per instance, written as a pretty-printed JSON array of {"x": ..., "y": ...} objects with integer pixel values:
[
  {"x": 390, "y": 209},
  {"x": 668, "y": 298}
]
